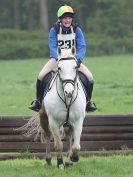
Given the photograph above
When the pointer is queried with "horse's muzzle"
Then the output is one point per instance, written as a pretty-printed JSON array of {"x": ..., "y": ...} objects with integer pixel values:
[
  {"x": 68, "y": 94},
  {"x": 69, "y": 90}
]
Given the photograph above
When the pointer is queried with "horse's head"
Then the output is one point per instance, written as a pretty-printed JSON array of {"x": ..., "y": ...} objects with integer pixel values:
[{"x": 67, "y": 69}]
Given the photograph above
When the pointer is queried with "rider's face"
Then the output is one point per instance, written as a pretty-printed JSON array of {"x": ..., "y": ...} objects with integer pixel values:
[{"x": 67, "y": 21}]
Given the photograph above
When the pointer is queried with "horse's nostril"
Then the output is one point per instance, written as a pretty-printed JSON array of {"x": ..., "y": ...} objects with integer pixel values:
[
  {"x": 69, "y": 95},
  {"x": 65, "y": 92}
]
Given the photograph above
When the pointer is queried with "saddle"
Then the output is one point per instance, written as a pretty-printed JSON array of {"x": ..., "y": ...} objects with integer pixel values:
[{"x": 84, "y": 82}]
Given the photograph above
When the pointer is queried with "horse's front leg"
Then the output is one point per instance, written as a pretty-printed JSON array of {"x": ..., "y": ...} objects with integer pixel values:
[
  {"x": 69, "y": 137},
  {"x": 57, "y": 142},
  {"x": 77, "y": 130},
  {"x": 47, "y": 134}
]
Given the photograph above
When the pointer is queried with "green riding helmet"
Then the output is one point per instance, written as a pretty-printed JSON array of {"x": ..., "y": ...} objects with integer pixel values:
[{"x": 64, "y": 11}]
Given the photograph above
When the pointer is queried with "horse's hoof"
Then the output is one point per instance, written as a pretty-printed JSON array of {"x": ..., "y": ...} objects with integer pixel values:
[
  {"x": 74, "y": 158},
  {"x": 68, "y": 164}
]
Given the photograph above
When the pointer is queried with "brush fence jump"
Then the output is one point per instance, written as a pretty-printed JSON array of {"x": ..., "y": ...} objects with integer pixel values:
[{"x": 100, "y": 132}]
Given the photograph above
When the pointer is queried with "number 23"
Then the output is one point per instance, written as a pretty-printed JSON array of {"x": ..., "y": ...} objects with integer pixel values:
[{"x": 66, "y": 44}]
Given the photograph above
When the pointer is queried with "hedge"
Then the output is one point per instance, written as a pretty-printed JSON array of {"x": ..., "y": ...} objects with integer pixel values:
[{"x": 15, "y": 44}]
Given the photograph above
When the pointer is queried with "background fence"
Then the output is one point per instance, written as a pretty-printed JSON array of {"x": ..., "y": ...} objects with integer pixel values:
[{"x": 100, "y": 132}]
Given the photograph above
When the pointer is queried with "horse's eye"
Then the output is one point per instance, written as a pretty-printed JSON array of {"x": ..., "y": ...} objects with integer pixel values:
[{"x": 59, "y": 68}]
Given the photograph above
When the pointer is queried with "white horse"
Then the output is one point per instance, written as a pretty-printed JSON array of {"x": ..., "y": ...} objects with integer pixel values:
[{"x": 64, "y": 103}]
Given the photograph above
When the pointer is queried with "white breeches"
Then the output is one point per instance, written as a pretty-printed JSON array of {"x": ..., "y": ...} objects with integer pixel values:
[{"x": 51, "y": 65}]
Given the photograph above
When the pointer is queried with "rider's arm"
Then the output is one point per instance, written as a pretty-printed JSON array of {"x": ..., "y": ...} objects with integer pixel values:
[
  {"x": 53, "y": 43},
  {"x": 80, "y": 44}
]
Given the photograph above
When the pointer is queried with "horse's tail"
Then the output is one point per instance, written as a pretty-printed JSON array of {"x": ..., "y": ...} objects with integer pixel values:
[{"x": 32, "y": 129}]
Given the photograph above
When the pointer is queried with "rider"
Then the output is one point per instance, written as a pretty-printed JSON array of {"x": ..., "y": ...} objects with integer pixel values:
[{"x": 64, "y": 34}]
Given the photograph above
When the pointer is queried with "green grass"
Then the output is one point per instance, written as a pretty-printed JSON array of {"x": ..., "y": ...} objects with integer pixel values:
[
  {"x": 114, "y": 166},
  {"x": 113, "y": 90},
  {"x": 113, "y": 84}
]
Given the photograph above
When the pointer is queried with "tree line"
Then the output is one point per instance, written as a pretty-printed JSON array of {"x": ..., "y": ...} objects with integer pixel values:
[
  {"x": 98, "y": 16},
  {"x": 107, "y": 25}
]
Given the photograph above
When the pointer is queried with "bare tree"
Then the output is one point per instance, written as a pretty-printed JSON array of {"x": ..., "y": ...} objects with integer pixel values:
[
  {"x": 30, "y": 24},
  {"x": 44, "y": 15},
  {"x": 17, "y": 14}
]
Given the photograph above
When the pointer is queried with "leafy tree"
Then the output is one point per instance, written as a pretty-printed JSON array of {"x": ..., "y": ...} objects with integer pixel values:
[
  {"x": 108, "y": 17},
  {"x": 112, "y": 17},
  {"x": 6, "y": 14},
  {"x": 44, "y": 14}
]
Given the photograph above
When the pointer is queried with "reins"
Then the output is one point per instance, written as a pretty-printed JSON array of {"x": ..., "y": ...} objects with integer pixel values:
[
  {"x": 68, "y": 107},
  {"x": 65, "y": 102},
  {"x": 64, "y": 82}
]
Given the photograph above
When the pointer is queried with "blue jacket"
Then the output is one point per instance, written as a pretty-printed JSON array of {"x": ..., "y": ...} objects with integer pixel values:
[{"x": 80, "y": 43}]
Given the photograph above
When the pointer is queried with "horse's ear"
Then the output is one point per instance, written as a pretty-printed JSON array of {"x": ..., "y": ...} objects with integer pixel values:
[
  {"x": 73, "y": 50},
  {"x": 59, "y": 51}
]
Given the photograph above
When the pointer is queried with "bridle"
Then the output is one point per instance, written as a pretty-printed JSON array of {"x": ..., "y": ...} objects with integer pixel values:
[{"x": 64, "y": 82}]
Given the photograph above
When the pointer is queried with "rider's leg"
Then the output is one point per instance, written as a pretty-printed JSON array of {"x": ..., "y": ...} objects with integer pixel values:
[
  {"x": 36, "y": 104},
  {"x": 90, "y": 105}
]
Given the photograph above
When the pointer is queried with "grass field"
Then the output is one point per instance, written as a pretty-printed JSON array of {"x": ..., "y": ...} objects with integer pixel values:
[
  {"x": 113, "y": 94},
  {"x": 113, "y": 90},
  {"x": 114, "y": 166}
]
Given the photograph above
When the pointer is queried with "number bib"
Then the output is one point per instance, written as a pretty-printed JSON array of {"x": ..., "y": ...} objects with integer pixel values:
[{"x": 66, "y": 41}]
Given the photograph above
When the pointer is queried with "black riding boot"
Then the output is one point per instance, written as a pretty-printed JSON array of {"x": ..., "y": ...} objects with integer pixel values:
[
  {"x": 90, "y": 106},
  {"x": 36, "y": 104}
]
